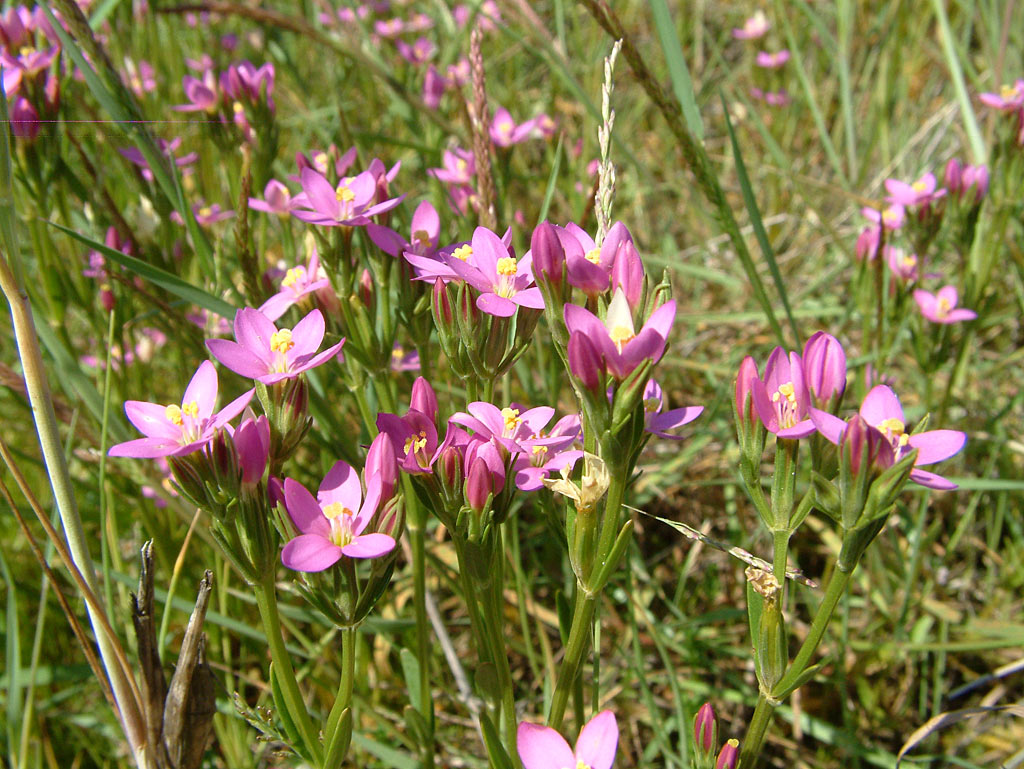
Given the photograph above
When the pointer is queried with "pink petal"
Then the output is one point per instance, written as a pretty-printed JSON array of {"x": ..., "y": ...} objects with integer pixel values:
[
  {"x": 598, "y": 741},
  {"x": 583, "y": 320},
  {"x": 931, "y": 480},
  {"x": 233, "y": 409},
  {"x": 238, "y": 358},
  {"x": 832, "y": 427},
  {"x": 319, "y": 359},
  {"x": 425, "y": 219},
  {"x": 530, "y": 297},
  {"x": 496, "y": 305},
  {"x": 202, "y": 389},
  {"x": 145, "y": 448},
  {"x": 881, "y": 404},
  {"x": 278, "y": 304},
  {"x": 321, "y": 195},
  {"x": 307, "y": 335},
  {"x": 253, "y": 331},
  {"x": 386, "y": 239},
  {"x": 341, "y": 484},
  {"x": 304, "y": 510},
  {"x": 150, "y": 419},
  {"x": 369, "y": 546},
  {"x": 936, "y": 445},
  {"x": 310, "y": 552},
  {"x": 543, "y": 748}
]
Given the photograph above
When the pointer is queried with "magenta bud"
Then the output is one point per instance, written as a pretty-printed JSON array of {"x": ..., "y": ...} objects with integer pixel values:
[
  {"x": 366, "y": 288},
  {"x": 977, "y": 177},
  {"x": 862, "y": 447},
  {"x": 548, "y": 254},
  {"x": 275, "y": 491},
  {"x": 824, "y": 367},
  {"x": 745, "y": 381},
  {"x": 423, "y": 399},
  {"x": 450, "y": 467},
  {"x": 252, "y": 442},
  {"x": 704, "y": 728},
  {"x": 953, "y": 177},
  {"x": 867, "y": 243},
  {"x": 585, "y": 361},
  {"x": 382, "y": 463},
  {"x": 479, "y": 485},
  {"x": 628, "y": 272},
  {"x": 442, "y": 305},
  {"x": 729, "y": 755}
]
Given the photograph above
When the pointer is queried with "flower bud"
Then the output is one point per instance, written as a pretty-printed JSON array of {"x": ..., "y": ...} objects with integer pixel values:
[
  {"x": 382, "y": 463},
  {"x": 548, "y": 255},
  {"x": 585, "y": 362},
  {"x": 479, "y": 485},
  {"x": 423, "y": 399},
  {"x": 252, "y": 442},
  {"x": 977, "y": 177},
  {"x": 366, "y": 288},
  {"x": 704, "y": 729},
  {"x": 628, "y": 273},
  {"x": 224, "y": 463},
  {"x": 824, "y": 368},
  {"x": 729, "y": 755},
  {"x": 954, "y": 177},
  {"x": 868, "y": 242}
]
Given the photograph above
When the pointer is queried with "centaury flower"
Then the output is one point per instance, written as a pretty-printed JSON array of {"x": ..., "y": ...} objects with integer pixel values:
[
  {"x": 173, "y": 430},
  {"x": 941, "y": 307},
  {"x": 541, "y": 747},
  {"x": 268, "y": 354}
]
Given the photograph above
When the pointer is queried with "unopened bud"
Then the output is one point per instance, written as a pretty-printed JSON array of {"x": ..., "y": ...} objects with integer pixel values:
[
  {"x": 729, "y": 755},
  {"x": 704, "y": 728}
]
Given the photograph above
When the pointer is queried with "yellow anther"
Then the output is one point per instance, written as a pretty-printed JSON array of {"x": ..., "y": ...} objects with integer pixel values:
[
  {"x": 205, "y": 211},
  {"x": 397, "y": 352},
  {"x": 420, "y": 238},
  {"x": 511, "y": 418},
  {"x": 787, "y": 391},
  {"x": 505, "y": 127},
  {"x": 463, "y": 252},
  {"x": 320, "y": 159},
  {"x": 593, "y": 256},
  {"x": 293, "y": 276},
  {"x": 343, "y": 194},
  {"x": 944, "y": 307},
  {"x": 621, "y": 335},
  {"x": 190, "y": 409},
  {"x": 1006, "y": 91},
  {"x": 415, "y": 443},
  {"x": 173, "y": 414},
  {"x": 281, "y": 341},
  {"x": 507, "y": 266},
  {"x": 910, "y": 261},
  {"x": 919, "y": 186},
  {"x": 237, "y": 108},
  {"x": 27, "y": 50},
  {"x": 540, "y": 450},
  {"x": 892, "y": 426},
  {"x": 651, "y": 404},
  {"x": 904, "y": 440},
  {"x": 334, "y": 509},
  {"x": 890, "y": 216},
  {"x": 461, "y": 164}
]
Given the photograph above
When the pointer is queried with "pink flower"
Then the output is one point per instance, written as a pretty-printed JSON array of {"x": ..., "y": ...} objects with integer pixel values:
[
  {"x": 753, "y": 28},
  {"x": 543, "y": 748},
  {"x": 941, "y": 307},
  {"x": 504, "y": 282},
  {"x": 545, "y": 453},
  {"x": 621, "y": 347},
  {"x": 350, "y": 204},
  {"x": 420, "y": 52},
  {"x": 772, "y": 60},
  {"x": 173, "y": 431},
  {"x": 504, "y": 130},
  {"x": 276, "y": 199},
  {"x": 881, "y": 409},
  {"x": 267, "y": 354},
  {"x": 426, "y": 228},
  {"x": 781, "y": 397},
  {"x": 458, "y": 166},
  {"x": 329, "y": 524},
  {"x": 659, "y": 423},
  {"x": 919, "y": 193},
  {"x": 298, "y": 282},
  {"x": 202, "y": 94},
  {"x": 1009, "y": 99},
  {"x": 902, "y": 264},
  {"x": 892, "y": 218},
  {"x": 507, "y": 426}
]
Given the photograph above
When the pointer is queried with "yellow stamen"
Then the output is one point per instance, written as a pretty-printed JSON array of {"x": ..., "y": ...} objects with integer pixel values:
[
  {"x": 593, "y": 256},
  {"x": 334, "y": 509},
  {"x": 415, "y": 444},
  {"x": 343, "y": 194},
  {"x": 892, "y": 426},
  {"x": 507, "y": 266},
  {"x": 1009, "y": 92},
  {"x": 511, "y": 417},
  {"x": 463, "y": 252},
  {"x": 420, "y": 238},
  {"x": 460, "y": 164},
  {"x": 281, "y": 341},
  {"x": 944, "y": 307},
  {"x": 540, "y": 450},
  {"x": 293, "y": 276},
  {"x": 237, "y": 108},
  {"x": 190, "y": 409},
  {"x": 320, "y": 159},
  {"x": 919, "y": 186},
  {"x": 205, "y": 211},
  {"x": 397, "y": 352},
  {"x": 173, "y": 414}
]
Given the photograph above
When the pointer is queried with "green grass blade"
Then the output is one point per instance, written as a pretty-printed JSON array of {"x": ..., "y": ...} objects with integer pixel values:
[
  {"x": 167, "y": 281},
  {"x": 682, "y": 83},
  {"x": 755, "y": 220},
  {"x": 12, "y": 663},
  {"x": 549, "y": 193},
  {"x": 956, "y": 74}
]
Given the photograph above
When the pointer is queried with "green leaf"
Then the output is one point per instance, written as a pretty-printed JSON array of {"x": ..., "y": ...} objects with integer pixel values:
[
  {"x": 389, "y": 756},
  {"x": 13, "y": 661},
  {"x": 756, "y": 222},
  {"x": 682, "y": 84},
  {"x": 411, "y": 673},
  {"x": 339, "y": 741},
  {"x": 487, "y": 684},
  {"x": 281, "y": 706},
  {"x": 167, "y": 281},
  {"x": 495, "y": 750}
]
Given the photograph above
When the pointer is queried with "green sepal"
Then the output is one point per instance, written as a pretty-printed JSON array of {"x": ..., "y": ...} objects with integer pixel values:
[
  {"x": 800, "y": 680},
  {"x": 338, "y": 741},
  {"x": 826, "y": 496},
  {"x": 294, "y": 740}
]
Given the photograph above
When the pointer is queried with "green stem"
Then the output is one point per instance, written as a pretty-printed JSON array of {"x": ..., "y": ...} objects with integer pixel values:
[
  {"x": 345, "y": 686},
  {"x": 579, "y": 632},
  {"x": 781, "y": 554},
  {"x": 750, "y": 752},
  {"x": 266, "y": 600}
]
